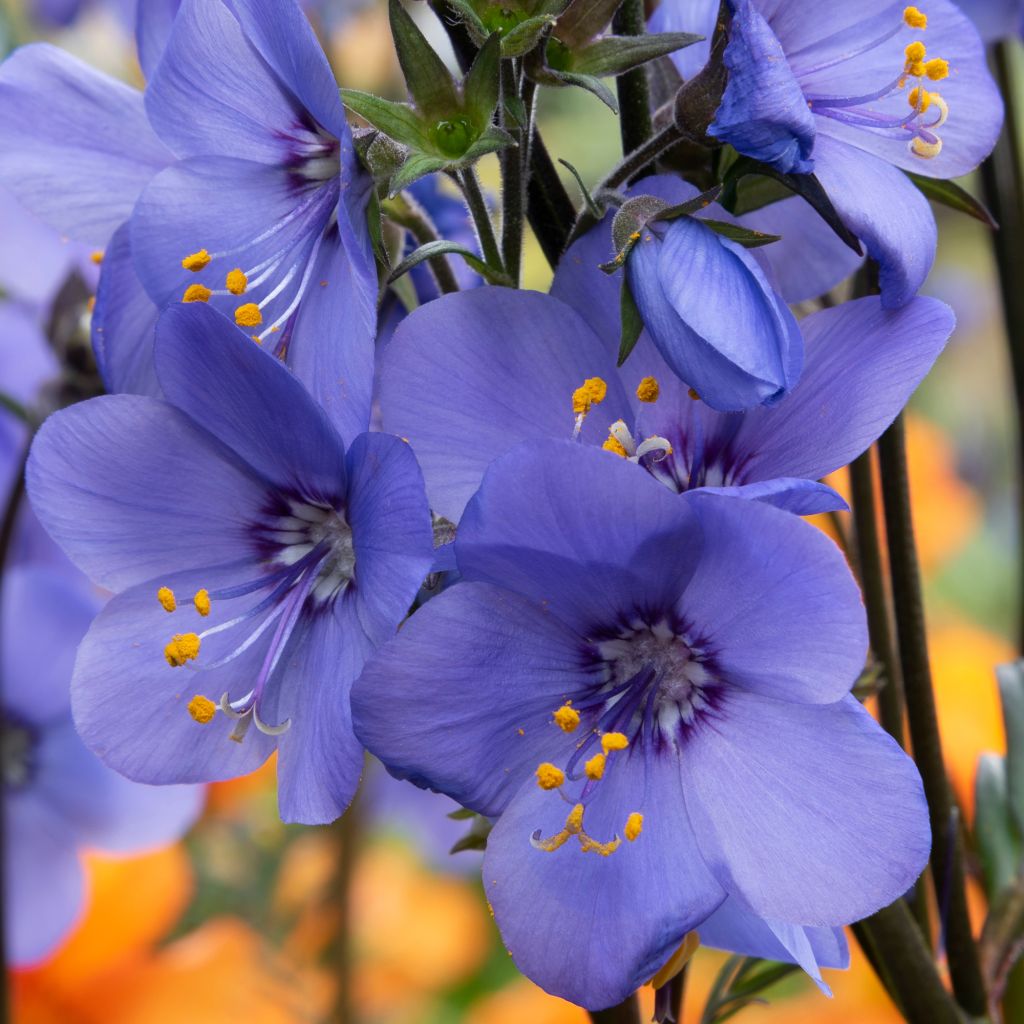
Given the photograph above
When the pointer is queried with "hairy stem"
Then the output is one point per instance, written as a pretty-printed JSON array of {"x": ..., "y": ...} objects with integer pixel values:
[
  {"x": 481, "y": 217},
  {"x": 634, "y": 94}
]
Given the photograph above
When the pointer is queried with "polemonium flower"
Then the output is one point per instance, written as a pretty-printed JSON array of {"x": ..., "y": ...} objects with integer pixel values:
[
  {"x": 857, "y": 97},
  {"x": 652, "y": 693},
  {"x": 58, "y": 799},
  {"x": 255, "y": 560},
  {"x": 468, "y": 376}
]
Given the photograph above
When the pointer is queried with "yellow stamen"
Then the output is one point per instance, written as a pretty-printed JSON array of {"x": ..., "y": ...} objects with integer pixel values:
[
  {"x": 181, "y": 648},
  {"x": 202, "y": 602},
  {"x": 236, "y": 281},
  {"x": 248, "y": 315},
  {"x": 196, "y": 261},
  {"x": 925, "y": 150},
  {"x": 937, "y": 69},
  {"x": 916, "y": 70},
  {"x": 581, "y": 401},
  {"x": 202, "y": 709},
  {"x": 597, "y": 388},
  {"x": 566, "y": 718},
  {"x": 613, "y": 444},
  {"x": 196, "y": 293},
  {"x": 918, "y": 95},
  {"x": 677, "y": 961},
  {"x": 96, "y": 256},
  {"x": 594, "y": 768},
  {"x": 914, "y": 52},
  {"x": 549, "y": 776},
  {"x": 613, "y": 741},
  {"x": 634, "y": 826},
  {"x": 648, "y": 390},
  {"x": 915, "y": 18},
  {"x": 167, "y": 599}
]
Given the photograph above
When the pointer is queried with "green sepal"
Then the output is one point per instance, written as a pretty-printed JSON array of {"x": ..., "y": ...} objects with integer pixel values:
[
  {"x": 591, "y": 84},
  {"x": 476, "y": 28},
  {"x": 754, "y": 192},
  {"x": 444, "y": 247},
  {"x": 584, "y": 19},
  {"x": 632, "y": 322},
  {"x": 398, "y": 121},
  {"x": 614, "y": 55},
  {"x": 375, "y": 226},
  {"x": 419, "y": 165},
  {"x": 525, "y": 36},
  {"x": 949, "y": 193},
  {"x": 1011, "y": 694},
  {"x": 429, "y": 82},
  {"x": 462, "y": 814},
  {"x": 490, "y": 141},
  {"x": 742, "y": 236},
  {"x": 637, "y": 213},
  {"x": 482, "y": 84},
  {"x": 996, "y": 836}
]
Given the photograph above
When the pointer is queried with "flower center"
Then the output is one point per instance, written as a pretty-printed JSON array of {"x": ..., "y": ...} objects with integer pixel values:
[
  {"x": 17, "y": 751},
  {"x": 307, "y": 560},
  {"x": 928, "y": 110}
]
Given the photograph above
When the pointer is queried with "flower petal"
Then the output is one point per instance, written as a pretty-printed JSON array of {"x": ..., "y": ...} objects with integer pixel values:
[{"x": 794, "y": 494}]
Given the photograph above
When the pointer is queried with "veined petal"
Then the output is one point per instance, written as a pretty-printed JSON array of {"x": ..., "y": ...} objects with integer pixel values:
[
  {"x": 850, "y": 832},
  {"x": 800, "y": 496},
  {"x": 153, "y": 22},
  {"x": 76, "y": 148},
  {"x": 696, "y": 16}
]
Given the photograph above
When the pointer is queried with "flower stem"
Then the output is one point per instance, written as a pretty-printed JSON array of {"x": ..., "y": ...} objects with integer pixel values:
[
  {"x": 1002, "y": 176},
  {"x": 481, "y": 217},
  {"x": 632, "y": 88},
  {"x": 339, "y": 897},
  {"x": 627, "y": 1012},
  {"x": 947, "y": 858},
  {"x": 514, "y": 164}
]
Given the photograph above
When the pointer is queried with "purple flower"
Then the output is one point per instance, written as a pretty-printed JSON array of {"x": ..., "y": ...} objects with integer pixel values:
[
  {"x": 652, "y": 693},
  {"x": 58, "y": 798},
  {"x": 468, "y": 376},
  {"x": 256, "y": 562},
  {"x": 239, "y": 166},
  {"x": 855, "y": 97}
]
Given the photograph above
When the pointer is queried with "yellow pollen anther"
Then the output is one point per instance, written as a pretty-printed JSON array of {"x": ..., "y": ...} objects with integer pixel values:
[
  {"x": 914, "y": 52},
  {"x": 202, "y": 602},
  {"x": 634, "y": 826},
  {"x": 594, "y": 768},
  {"x": 588, "y": 845},
  {"x": 196, "y": 261},
  {"x": 937, "y": 69},
  {"x": 613, "y": 444},
  {"x": 166, "y": 598},
  {"x": 919, "y": 95},
  {"x": 549, "y": 776},
  {"x": 196, "y": 293},
  {"x": 581, "y": 401},
  {"x": 566, "y": 718},
  {"x": 915, "y": 18},
  {"x": 96, "y": 256},
  {"x": 924, "y": 149},
  {"x": 248, "y": 315},
  {"x": 91, "y": 304},
  {"x": 202, "y": 709},
  {"x": 181, "y": 648},
  {"x": 677, "y": 961},
  {"x": 596, "y": 388},
  {"x": 613, "y": 741},
  {"x": 574, "y": 822},
  {"x": 648, "y": 390},
  {"x": 236, "y": 281},
  {"x": 635, "y": 237}
]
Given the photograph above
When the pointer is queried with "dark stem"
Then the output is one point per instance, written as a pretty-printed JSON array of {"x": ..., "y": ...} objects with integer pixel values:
[
  {"x": 634, "y": 94},
  {"x": 1001, "y": 176},
  {"x": 627, "y": 1012},
  {"x": 481, "y": 217},
  {"x": 947, "y": 858},
  {"x": 550, "y": 210},
  {"x": 339, "y": 900},
  {"x": 894, "y": 946},
  {"x": 407, "y": 213},
  {"x": 513, "y": 169},
  {"x": 677, "y": 987}
]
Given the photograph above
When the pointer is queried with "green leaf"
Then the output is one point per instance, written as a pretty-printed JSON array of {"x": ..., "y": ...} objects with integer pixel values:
[
  {"x": 525, "y": 36},
  {"x": 419, "y": 165},
  {"x": 375, "y": 225},
  {"x": 583, "y": 20},
  {"x": 949, "y": 193},
  {"x": 743, "y": 236},
  {"x": 406, "y": 292},
  {"x": 397, "y": 121},
  {"x": 614, "y": 55},
  {"x": 429, "y": 81},
  {"x": 996, "y": 835},
  {"x": 14, "y": 407},
  {"x": 756, "y": 191},
  {"x": 476, "y": 838},
  {"x": 595, "y": 210},
  {"x": 444, "y": 247},
  {"x": 1011, "y": 693},
  {"x": 632, "y": 322},
  {"x": 591, "y": 84},
  {"x": 477, "y": 30},
  {"x": 492, "y": 140},
  {"x": 482, "y": 83}
]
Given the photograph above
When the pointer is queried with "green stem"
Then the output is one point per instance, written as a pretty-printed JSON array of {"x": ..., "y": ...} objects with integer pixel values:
[
  {"x": 1002, "y": 175},
  {"x": 407, "y": 213},
  {"x": 634, "y": 94},
  {"x": 627, "y": 1012},
  {"x": 513, "y": 169},
  {"x": 947, "y": 858},
  {"x": 481, "y": 217}
]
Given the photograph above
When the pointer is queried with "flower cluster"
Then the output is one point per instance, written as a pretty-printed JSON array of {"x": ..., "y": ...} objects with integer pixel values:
[{"x": 541, "y": 552}]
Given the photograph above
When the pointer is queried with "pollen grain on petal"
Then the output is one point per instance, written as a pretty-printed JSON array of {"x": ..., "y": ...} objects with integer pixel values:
[{"x": 96, "y": 256}]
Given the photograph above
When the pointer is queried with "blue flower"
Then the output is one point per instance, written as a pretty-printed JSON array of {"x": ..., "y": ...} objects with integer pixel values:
[
  {"x": 238, "y": 170},
  {"x": 255, "y": 560},
  {"x": 652, "y": 695},
  {"x": 856, "y": 95},
  {"x": 468, "y": 376},
  {"x": 58, "y": 798}
]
